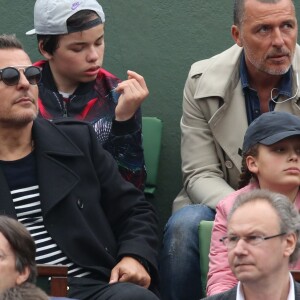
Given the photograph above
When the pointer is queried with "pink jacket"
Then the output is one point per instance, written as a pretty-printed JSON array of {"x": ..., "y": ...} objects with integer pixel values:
[{"x": 220, "y": 278}]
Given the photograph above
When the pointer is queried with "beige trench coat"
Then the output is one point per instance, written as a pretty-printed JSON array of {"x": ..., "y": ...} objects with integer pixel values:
[{"x": 213, "y": 125}]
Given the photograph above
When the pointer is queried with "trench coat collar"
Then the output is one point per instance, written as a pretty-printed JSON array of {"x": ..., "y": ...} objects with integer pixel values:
[
  {"x": 224, "y": 70},
  {"x": 55, "y": 178}
]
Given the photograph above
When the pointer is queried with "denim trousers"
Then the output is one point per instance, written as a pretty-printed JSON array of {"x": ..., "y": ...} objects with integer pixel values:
[{"x": 179, "y": 264}]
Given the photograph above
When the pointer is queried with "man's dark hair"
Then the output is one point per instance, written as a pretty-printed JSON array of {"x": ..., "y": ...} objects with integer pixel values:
[
  {"x": 22, "y": 245},
  {"x": 239, "y": 9},
  {"x": 50, "y": 43},
  {"x": 8, "y": 41}
]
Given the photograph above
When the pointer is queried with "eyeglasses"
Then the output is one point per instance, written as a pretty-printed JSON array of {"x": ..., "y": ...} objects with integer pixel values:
[
  {"x": 231, "y": 241},
  {"x": 11, "y": 75}
]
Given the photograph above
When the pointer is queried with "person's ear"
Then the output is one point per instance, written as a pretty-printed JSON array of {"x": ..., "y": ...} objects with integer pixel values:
[
  {"x": 251, "y": 164},
  {"x": 23, "y": 276},
  {"x": 236, "y": 35},
  {"x": 43, "y": 52},
  {"x": 290, "y": 245}
]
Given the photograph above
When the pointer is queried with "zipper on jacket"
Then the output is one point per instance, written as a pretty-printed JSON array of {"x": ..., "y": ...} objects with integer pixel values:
[{"x": 65, "y": 111}]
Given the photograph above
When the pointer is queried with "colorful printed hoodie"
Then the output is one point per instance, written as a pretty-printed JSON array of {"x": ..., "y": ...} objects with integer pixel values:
[{"x": 95, "y": 102}]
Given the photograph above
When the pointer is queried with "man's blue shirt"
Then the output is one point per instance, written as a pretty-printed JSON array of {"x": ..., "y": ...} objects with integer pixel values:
[{"x": 251, "y": 97}]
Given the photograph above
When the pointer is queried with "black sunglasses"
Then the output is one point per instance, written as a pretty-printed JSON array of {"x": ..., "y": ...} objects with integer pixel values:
[{"x": 11, "y": 75}]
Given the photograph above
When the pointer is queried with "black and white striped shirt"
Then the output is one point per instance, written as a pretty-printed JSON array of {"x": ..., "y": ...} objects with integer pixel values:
[{"x": 22, "y": 180}]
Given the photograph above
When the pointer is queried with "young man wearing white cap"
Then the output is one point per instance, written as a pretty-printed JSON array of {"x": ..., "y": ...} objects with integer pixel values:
[{"x": 70, "y": 36}]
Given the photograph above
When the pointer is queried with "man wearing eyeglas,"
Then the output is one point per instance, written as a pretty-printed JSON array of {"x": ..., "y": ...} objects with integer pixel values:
[
  {"x": 262, "y": 240},
  {"x": 59, "y": 182}
]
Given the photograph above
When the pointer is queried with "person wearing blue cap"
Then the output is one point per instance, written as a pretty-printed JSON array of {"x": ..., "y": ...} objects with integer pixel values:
[
  {"x": 271, "y": 160},
  {"x": 70, "y": 36}
]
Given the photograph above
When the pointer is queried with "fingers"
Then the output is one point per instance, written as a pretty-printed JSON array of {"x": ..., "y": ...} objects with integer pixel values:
[
  {"x": 114, "y": 276},
  {"x": 143, "y": 281},
  {"x": 135, "y": 82},
  {"x": 133, "y": 92},
  {"x": 130, "y": 270},
  {"x": 139, "y": 78},
  {"x": 132, "y": 88}
]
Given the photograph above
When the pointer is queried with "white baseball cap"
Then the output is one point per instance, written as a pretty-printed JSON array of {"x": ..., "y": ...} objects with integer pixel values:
[{"x": 50, "y": 16}]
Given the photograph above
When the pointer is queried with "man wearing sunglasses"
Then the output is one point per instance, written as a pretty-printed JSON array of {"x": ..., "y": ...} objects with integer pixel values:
[
  {"x": 58, "y": 181},
  {"x": 262, "y": 240}
]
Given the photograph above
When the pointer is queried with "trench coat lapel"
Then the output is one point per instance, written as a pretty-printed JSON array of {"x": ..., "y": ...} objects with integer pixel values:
[
  {"x": 55, "y": 178},
  {"x": 6, "y": 203},
  {"x": 229, "y": 124}
]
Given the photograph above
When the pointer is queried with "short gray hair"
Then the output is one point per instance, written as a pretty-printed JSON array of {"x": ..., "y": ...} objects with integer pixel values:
[
  {"x": 239, "y": 10},
  {"x": 289, "y": 218},
  {"x": 10, "y": 41}
]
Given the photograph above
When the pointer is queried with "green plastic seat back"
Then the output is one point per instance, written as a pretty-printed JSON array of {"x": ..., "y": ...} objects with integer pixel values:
[
  {"x": 152, "y": 133},
  {"x": 205, "y": 229}
]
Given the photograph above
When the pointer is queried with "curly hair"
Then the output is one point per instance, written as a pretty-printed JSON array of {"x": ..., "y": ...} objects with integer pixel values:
[{"x": 246, "y": 175}]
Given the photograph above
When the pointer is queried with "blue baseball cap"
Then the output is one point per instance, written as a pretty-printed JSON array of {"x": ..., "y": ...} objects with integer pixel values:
[{"x": 270, "y": 128}]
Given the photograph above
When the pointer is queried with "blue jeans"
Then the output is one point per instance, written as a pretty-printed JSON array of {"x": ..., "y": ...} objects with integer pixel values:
[{"x": 179, "y": 264}]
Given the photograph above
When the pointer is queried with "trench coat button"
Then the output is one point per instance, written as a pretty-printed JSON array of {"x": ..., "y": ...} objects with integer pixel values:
[
  {"x": 228, "y": 164},
  {"x": 80, "y": 203}
]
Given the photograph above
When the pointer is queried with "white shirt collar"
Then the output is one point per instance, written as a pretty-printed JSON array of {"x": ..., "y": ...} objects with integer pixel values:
[
  {"x": 291, "y": 295},
  {"x": 239, "y": 292},
  {"x": 65, "y": 95}
]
